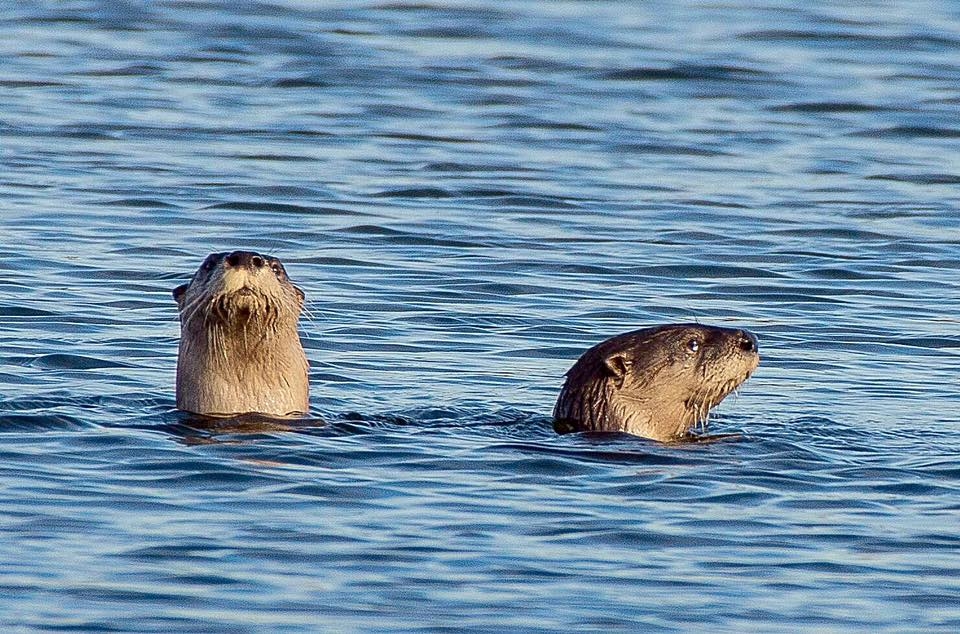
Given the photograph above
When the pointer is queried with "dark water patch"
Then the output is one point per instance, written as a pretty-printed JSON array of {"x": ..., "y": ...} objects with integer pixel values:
[
  {"x": 330, "y": 377},
  {"x": 31, "y": 83},
  {"x": 540, "y": 124},
  {"x": 740, "y": 500},
  {"x": 859, "y": 39},
  {"x": 451, "y": 166},
  {"x": 425, "y": 138},
  {"x": 835, "y": 233},
  {"x": 139, "y": 203},
  {"x": 415, "y": 192},
  {"x": 88, "y": 133},
  {"x": 536, "y": 202},
  {"x": 599, "y": 448},
  {"x": 693, "y": 271},
  {"x": 47, "y": 421},
  {"x": 302, "y": 81},
  {"x": 283, "y": 208},
  {"x": 936, "y": 343},
  {"x": 444, "y": 33},
  {"x": 533, "y": 63},
  {"x": 24, "y": 311},
  {"x": 586, "y": 269},
  {"x": 675, "y": 237},
  {"x": 496, "y": 425},
  {"x": 397, "y": 237},
  {"x": 829, "y": 107},
  {"x": 64, "y": 361},
  {"x": 500, "y": 290},
  {"x": 932, "y": 263},
  {"x": 347, "y": 262},
  {"x": 283, "y": 158},
  {"x": 307, "y": 133},
  {"x": 58, "y": 399},
  {"x": 61, "y": 18},
  {"x": 688, "y": 72},
  {"x": 668, "y": 149},
  {"x": 269, "y": 192},
  {"x": 149, "y": 251},
  {"x": 918, "y": 179},
  {"x": 131, "y": 70},
  {"x": 511, "y": 196},
  {"x": 914, "y": 489},
  {"x": 841, "y": 274},
  {"x": 400, "y": 111},
  {"x": 910, "y": 132}
]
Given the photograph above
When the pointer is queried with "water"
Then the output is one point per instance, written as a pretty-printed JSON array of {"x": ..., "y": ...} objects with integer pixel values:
[{"x": 471, "y": 194}]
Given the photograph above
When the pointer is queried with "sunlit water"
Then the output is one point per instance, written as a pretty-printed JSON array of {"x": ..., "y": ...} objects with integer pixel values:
[{"x": 471, "y": 195}]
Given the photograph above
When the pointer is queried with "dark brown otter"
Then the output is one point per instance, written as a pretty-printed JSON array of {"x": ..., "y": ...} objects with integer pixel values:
[
  {"x": 239, "y": 347},
  {"x": 656, "y": 382}
]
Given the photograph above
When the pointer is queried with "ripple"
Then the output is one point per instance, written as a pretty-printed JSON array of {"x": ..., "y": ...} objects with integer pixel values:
[
  {"x": 282, "y": 208},
  {"x": 24, "y": 311},
  {"x": 46, "y": 421}
]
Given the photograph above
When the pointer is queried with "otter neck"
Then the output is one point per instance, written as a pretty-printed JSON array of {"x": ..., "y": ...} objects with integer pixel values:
[
  {"x": 250, "y": 342},
  {"x": 651, "y": 417},
  {"x": 222, "y": 372}
]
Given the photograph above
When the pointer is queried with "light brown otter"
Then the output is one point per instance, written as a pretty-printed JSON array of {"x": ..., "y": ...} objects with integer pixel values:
[
  {"x": 239, "y": 347},
  {"x": 657, "y": 382}
]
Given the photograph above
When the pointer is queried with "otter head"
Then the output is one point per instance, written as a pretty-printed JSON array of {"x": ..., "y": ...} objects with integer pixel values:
[
  {"x": 657, "y": 382},
  {"x": 239, "y": 291},
  {"x": 239, "y": 347}
]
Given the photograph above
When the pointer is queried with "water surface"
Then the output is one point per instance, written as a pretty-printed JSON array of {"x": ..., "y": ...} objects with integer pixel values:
[{"x": 472, "y": 194}]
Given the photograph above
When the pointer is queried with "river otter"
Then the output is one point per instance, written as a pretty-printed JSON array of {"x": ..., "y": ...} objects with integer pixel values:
[
  {"x": 239, "y": 347},
  {"x": 656, "y": 382}
]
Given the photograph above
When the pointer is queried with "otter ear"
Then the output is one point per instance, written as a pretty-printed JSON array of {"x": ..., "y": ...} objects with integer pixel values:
[
  {"x": 179, "y": 291},
  {"x": 618, "y": 364}
]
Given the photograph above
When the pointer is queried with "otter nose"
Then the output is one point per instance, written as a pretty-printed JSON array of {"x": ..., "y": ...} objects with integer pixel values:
[
  {"x": 748, "y": 341},
  {"x": 246, "y": 259}
]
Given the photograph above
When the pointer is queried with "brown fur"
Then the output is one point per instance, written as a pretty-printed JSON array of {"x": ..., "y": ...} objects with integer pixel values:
[
  {"x": 657, "y": 382},
  {"x": 239, "y": 347}
]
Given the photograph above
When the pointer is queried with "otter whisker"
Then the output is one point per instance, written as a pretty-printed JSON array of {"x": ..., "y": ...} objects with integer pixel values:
[{"x": 308, "y": 312}]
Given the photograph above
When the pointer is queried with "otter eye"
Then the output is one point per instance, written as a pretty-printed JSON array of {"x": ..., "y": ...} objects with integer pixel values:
[
  {"x": 693, "y": 345},
  {"x": 209, "y": 262},
  {"x": 277, "y": 268}
]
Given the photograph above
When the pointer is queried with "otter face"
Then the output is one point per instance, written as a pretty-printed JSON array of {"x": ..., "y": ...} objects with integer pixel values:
[
  {"x": 658, "y": 382},
  {"x": 242, "y": 289}
]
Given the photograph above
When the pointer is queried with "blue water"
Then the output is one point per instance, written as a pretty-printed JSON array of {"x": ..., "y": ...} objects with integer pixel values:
[{"x": 472, "y": 194}]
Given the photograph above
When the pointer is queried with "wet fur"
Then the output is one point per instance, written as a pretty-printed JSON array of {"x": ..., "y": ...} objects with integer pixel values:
[
  {"x": 239, "y": 347},
  {"x": 652, "y": 383}
]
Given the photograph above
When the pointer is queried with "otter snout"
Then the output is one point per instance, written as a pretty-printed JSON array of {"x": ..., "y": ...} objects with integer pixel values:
[{"x": 245, "y": 259}]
